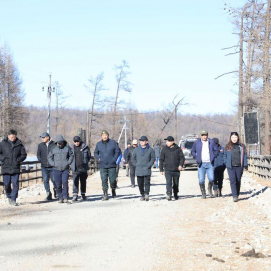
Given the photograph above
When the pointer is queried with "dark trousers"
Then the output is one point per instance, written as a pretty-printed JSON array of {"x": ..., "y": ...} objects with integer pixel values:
[
  {"x": 47, "y": 173},
  {"x": 235, "y": 175},
  {"x": 117, "y": 172},
  {"x": 132, "y": 174},
  {"x": 82, "y": 178},
  {"x": 172, "y": 177},
  {"x": 62, "y": 180},
  {"x": 14, "y": 179},
  {"x": 144, "y": 181},
  {"x": 108, "y": 173},
  {"x": 218, "y": 181}
]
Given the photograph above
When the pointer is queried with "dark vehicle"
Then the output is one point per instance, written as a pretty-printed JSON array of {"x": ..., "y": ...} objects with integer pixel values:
[{"x": 186, "y": 144}]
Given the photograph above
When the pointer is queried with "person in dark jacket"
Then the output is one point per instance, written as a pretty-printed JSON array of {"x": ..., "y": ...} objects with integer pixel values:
[
  {"x": 143, "y": 158},
  {"x": 157, "y": 151},
  {"x": 125, "y": 158},
  {"x": 60, "y": 158},
  {"x": 220, "y": 167},
  {"x": 47, "y": 170},
  {"x": 129, "y": 162},
  {"x": 107, "y": 152},
  {"x": 235, "y": 158},
  {"x": 171, "y": 161},
  {"x": 205, "y": 151},
  {"x": 12, "y": 153},
  {"x": 79, "y": 167}
]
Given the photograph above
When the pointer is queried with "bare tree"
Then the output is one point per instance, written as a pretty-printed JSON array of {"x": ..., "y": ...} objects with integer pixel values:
[
  {"x": 123, "y": 84},
  {"x": 96, "y": 86}
]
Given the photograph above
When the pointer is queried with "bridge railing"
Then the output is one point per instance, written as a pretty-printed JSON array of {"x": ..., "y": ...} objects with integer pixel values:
[
  {"x": 260, "y": 167},
  {"x": 30, "y": 173}
]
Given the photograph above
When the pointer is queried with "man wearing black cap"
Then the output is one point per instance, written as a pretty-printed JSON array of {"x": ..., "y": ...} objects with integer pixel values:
[
  {"x": 47, "y": 170},
  {"x": 107, "y": 152},
  {"x": 79, "y": 167},
  {"x": 143, "y": 158},
  {"x": 172, "y": 159}
]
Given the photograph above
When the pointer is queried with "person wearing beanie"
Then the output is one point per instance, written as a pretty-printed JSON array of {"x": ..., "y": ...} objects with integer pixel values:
[
  {"x": 106, "y": 153},
  {"x": 60, "y": 158},
  {"x": 44, "y": 148},
  {"x": 235, "y": 158},
  {"x": 205, "y": 151},
  {"x": 171, "y": 162},
  {"x": 143, "y": 158},
  {"x": 129, "y": 162},
  {"x": 219, "y": 167},
  {"x": 79, "y": 167}
]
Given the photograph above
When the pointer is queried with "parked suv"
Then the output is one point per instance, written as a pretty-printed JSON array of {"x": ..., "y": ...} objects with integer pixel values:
[{"x": 186, "y": 144}]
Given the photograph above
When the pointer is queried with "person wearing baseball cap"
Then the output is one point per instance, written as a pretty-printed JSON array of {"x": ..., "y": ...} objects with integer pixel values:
[
  {"x": 79, "y": 167},
  {"x": 44, "y": 148},
  {"x": 205, "y": 151},
  {"x": 129, "y": 162},
  {"x": 143, "y": 158},
  {"x": 106, "y": 153},
  {"x": 171, "y": 162}
]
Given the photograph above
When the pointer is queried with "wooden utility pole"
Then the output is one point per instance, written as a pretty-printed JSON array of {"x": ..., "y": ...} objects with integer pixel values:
[
  {"x": 240, "y": 97},
  {"x": 266, "y": 79}
]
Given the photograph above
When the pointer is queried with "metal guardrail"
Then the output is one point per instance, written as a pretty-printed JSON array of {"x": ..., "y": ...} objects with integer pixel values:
[
  {"x": 31, "y": 171},
  {"x": 260, "y": 167}
]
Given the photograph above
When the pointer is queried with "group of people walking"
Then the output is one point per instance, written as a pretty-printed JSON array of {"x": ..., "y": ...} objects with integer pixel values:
[{"x": 57, "y": 157}]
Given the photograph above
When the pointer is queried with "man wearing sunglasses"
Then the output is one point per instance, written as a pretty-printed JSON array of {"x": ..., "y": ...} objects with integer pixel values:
[
  {"x": 44, "y": 148},
  {"x": 205, "y": 151},
  {"x": 79, "y": 167}
]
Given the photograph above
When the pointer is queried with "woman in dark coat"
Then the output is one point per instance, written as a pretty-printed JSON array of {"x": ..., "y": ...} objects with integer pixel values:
[{"x": 235, "y": 158}]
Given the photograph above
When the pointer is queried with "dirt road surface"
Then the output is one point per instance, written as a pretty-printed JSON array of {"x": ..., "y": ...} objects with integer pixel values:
[{"x": 127, "y": 234}]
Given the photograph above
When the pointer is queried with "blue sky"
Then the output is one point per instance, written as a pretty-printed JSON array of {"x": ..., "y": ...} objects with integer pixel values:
[{"x": 173, "y": 47}]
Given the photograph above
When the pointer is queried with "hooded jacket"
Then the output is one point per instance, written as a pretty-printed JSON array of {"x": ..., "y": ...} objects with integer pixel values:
[
  {"x": 43, "y": 152},
  {"x": 243, "y": 157},
  {"x": 11, "y": 156},
  {"x": 61, "y": 158},
  {"x": 85, "y": 152},
  {"x": 197, "y": 150},
  {"x": 171, "y": 158},
  {"x": 107, "y": 152},
  {"x": 143, "y": 161},
  {"x": 219, "y": 160}
]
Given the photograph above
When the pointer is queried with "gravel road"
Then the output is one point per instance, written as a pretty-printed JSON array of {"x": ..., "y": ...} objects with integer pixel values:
[{"x": 127, "y": 234}]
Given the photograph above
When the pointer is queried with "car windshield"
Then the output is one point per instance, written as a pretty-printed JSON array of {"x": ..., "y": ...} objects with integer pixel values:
[{"x": 189, "y": 144}]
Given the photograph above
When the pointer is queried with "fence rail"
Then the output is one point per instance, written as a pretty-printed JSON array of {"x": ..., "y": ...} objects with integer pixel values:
[
  {"x": 260, "y": 167},
  {"x": 30, "y": 172}
]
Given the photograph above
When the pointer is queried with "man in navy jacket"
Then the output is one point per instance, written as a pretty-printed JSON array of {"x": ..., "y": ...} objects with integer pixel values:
[
  {"x": 205, "y": 151},
  {"x": 107, "y": 152}
]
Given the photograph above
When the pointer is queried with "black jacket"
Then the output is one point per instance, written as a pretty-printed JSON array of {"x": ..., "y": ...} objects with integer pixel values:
[
  {"x": 171, "y": 158},
  {"x": 43, "y": 152},
  {"x": 11, "y": 156},
  {"x": 86, "y": 155},
  {"x": 128, "y": 159}
]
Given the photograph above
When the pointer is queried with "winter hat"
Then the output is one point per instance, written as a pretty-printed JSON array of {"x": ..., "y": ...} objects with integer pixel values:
[
  {"x": 216, "y": 140},
  {"x": 76, "y": 139},
  {"x": 104, "y": 132}
]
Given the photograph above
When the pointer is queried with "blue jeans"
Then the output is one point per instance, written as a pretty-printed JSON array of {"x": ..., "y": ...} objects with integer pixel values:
[
  {"x": 47, "y": 173},
  {"x": 157, "y": 162},
  {"x": 206, "y": 168},
  {"x": 62, "y": 183},
  {"x": 14, "y": 179}
]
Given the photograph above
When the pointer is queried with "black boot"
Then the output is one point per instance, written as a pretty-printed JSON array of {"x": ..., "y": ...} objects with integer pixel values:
[
  {"x": 142, "y": 197},
  {"x": 105, "y": 195},
  {"x": 210, "y": 189},
  {"x": 84, "y": 197},
  {"x": 220, "y": 192},
  {"x": 55, "y": 193},
  {"x": 114, "y": 193},
  {"x": 176, "y": 197},
  {"x": 203, "y": 192},
  {"x": 48, "y": 196}
]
